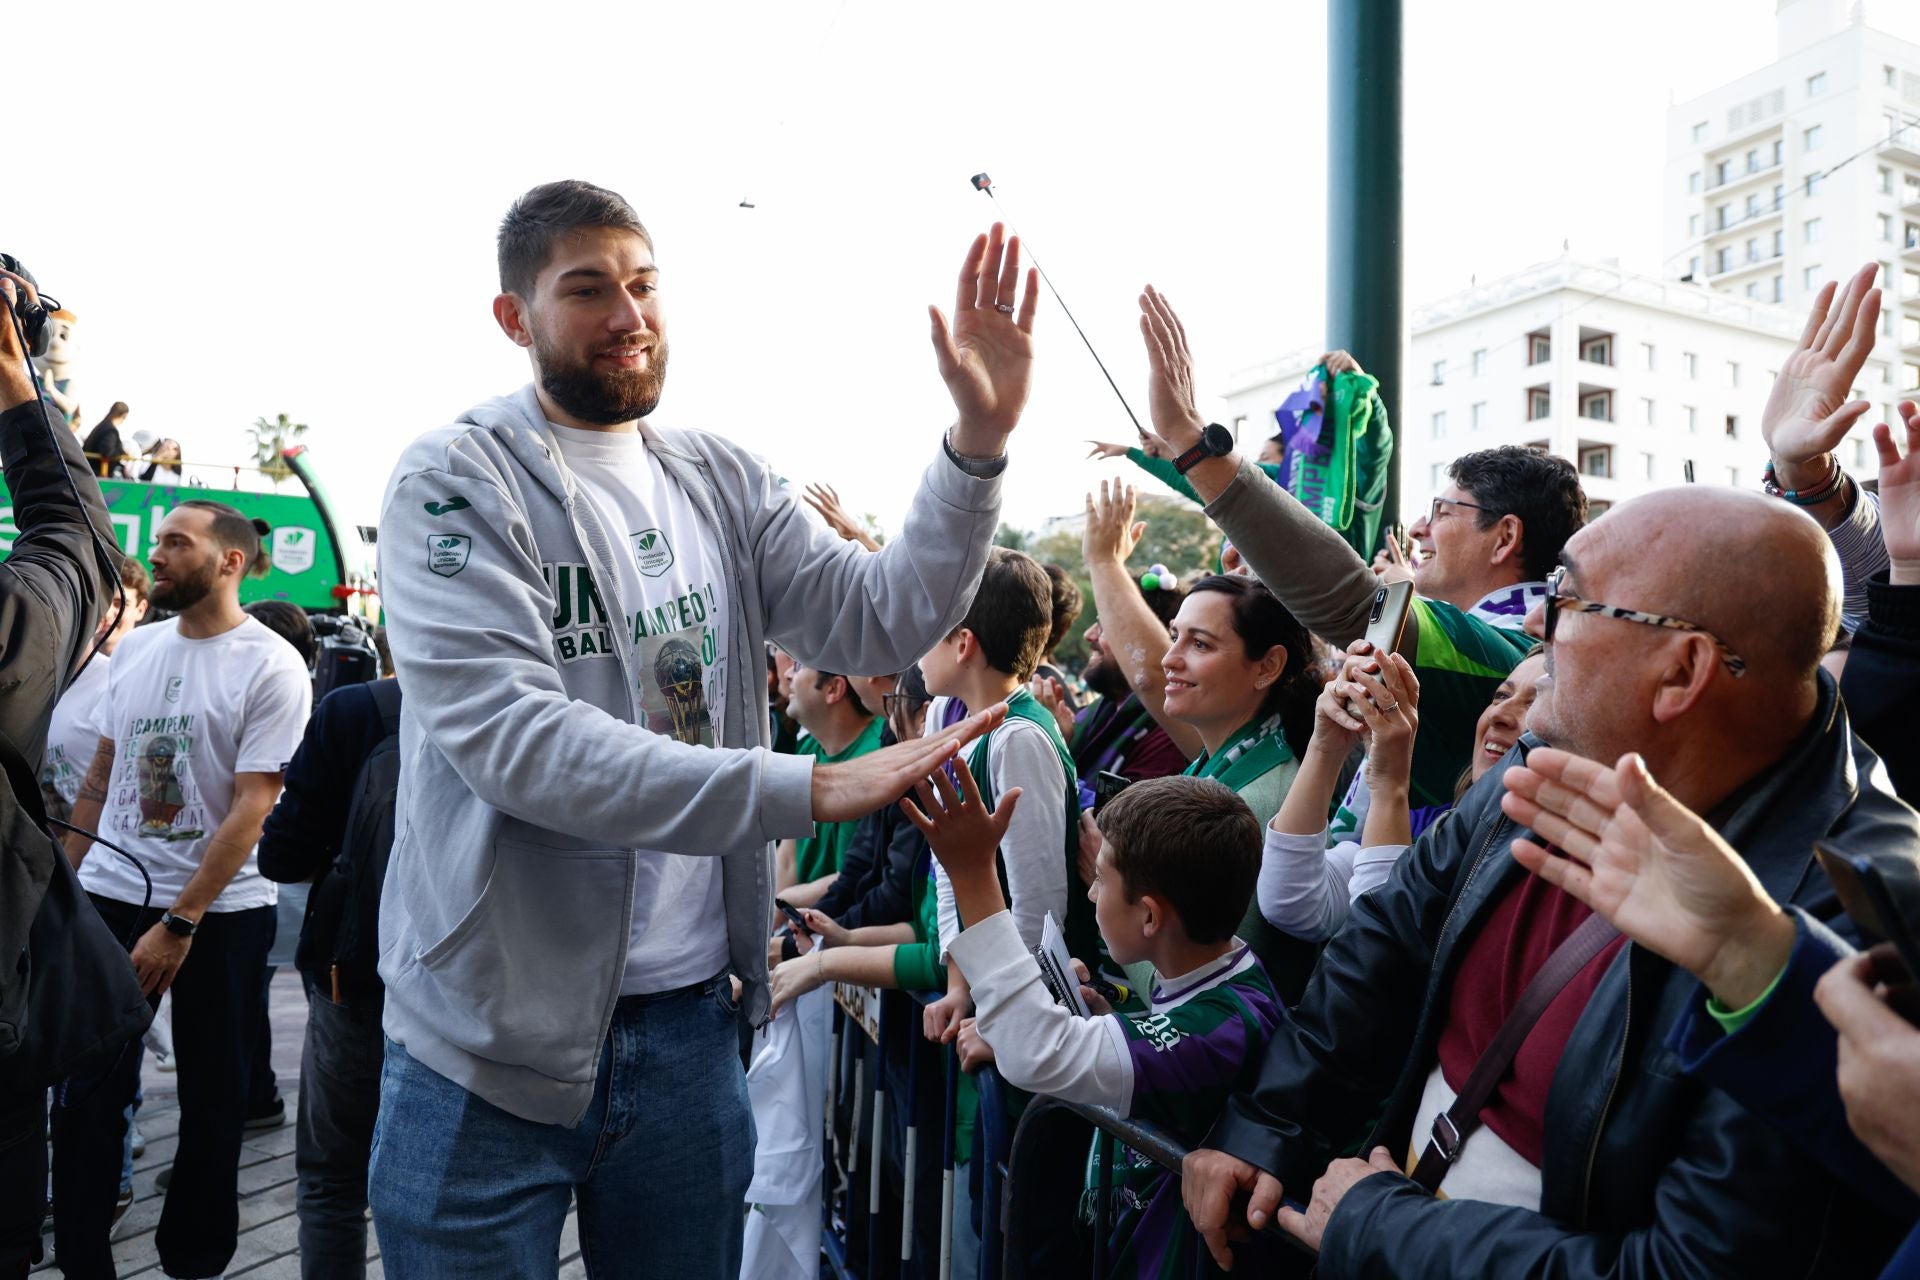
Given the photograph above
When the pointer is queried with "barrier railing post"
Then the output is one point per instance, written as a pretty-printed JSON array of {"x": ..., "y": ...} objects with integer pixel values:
[
  {"x": 878, "y": 1154},
  {"x": 910, "y": 1166},
  {"x": 946, "y": 1165},
  {"x": 1107, "y": 1152}
]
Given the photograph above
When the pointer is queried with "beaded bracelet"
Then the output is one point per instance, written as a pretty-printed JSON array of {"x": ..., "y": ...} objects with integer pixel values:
[{"x": 1805, "y": 497}]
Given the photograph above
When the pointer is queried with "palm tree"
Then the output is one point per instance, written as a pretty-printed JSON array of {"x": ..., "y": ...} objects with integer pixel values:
[{"x": 270, "y": 440}]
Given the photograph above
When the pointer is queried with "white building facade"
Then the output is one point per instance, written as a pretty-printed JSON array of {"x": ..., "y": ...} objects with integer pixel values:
[
  {"x": 1802, "y": 171},
  {"x": 1634, "y": 380}
]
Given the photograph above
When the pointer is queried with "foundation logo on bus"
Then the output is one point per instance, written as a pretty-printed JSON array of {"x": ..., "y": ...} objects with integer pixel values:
[{"x": 293, "y": 549}]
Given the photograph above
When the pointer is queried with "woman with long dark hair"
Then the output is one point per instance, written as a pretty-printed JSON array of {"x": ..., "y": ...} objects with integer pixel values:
[{"x": 103, "y": 446}]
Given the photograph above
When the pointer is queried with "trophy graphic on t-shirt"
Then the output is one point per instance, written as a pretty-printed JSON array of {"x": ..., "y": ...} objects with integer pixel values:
[
  {"x": 162, "y": 795},
  {"x": 677, "y": 673}
]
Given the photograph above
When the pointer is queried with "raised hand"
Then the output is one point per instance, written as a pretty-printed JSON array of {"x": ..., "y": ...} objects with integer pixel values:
[
  {"x": 1339, "y": 362},
  {"x": 823, "y": 499},
  {"x": 962, "y": 832},
  {"x": 1900, "y": 496},
  {"x": 1170, "y": 394},
  {"x": 1808, "y": 412},
  {"x": 1048, "y": 693},
  {"x": 1111, "y": 532},
  {"x": 986, "y": 355},
  {"x": 858, "y": 787},
  {"x": 1104, "y": 451},
  {"x": 1651, "y": 866}
]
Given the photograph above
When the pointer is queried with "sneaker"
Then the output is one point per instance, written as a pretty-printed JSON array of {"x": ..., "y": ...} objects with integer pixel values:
[
  {"x": 162, "y": 1179},
  {"x": 164, "y": 1062},
  {"x": 139, "y": 1143},
  {"x": 272, "y": 1118},
  {"x": 120, "y": 1213}
]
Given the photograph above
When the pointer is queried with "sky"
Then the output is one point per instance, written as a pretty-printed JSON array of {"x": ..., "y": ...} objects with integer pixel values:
[{"x": 257, "y": 209}]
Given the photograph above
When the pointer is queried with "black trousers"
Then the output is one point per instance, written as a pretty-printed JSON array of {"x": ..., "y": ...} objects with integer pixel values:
[
  {"x": 23, "y": 1178},
  {"x": 216, "y": 1015},
  {"x": 339, "y": 1101}
]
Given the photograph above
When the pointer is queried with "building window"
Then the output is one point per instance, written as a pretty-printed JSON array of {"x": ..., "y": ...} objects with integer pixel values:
[
  {"x": 1814, "y": 183},
  {"x": 1597, "y": 350},
  {"x": 1722, "y": 260},
  {"x": 1539, "y": 403},
  {"x": 1700, "y": 131},
  {"x": 1733, "y": 373},
  {"x": 1779, "y": 242},
  {"x": 1779, "y": 195},
  {"x": 1816, "y": 83},
  {"x": 1810, "y": 138},
  {"x": 1691, "y": 363},
  {"x": 1693, "y": 267},
  {"x": 1646, "y": 412},
  {"x": 1779, "y": 288},
  {"x": 1811, "y": 228},
  {"x": 1477, "y": 415},
  {"x": 1886, "y": 181},
  {"x": 1693, "y": 419},
  {"x": 1479, "y": 361},
  {"x": 1722, "y": 170},
  {"x": 1539, "y": 348},
  {"x": 1888, "y": 77},
  {"x": 1753, "y": 160},
  {"x": 1753, "y": 249},
  {"x": 1693, "y": 182},
  {"x": 1779, "y": 148},
  {"x": 1439, "y": 373},
  {"x": 1733, "y": 426},
  {"x": 1597, "y": 462},
  {"x": 1733, "y": 477},
  {"x": 1753, "y": 205},
  {"x": 1753, "y": 289},
  {"x": 1723, "y": 217},
  {"x": 1597, "y": 406},
  {"x": 1810, "y": 278},
  {"x": 1886, "y": 226},
  {"x": 1436, "y": 477},
  {"x": 1440, "y": 425},
  {"x": 1693, "y": 225},
  {"x": 1646, "y": 353},
  {"x": 1646, "y": 465}
]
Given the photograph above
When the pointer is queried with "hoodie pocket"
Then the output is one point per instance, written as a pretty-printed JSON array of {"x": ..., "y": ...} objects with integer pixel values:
[{"x": 526, "y": 976}]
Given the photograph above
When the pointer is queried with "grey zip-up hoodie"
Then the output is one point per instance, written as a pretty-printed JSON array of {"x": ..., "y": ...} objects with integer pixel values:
[{"x": 527, "y": 782}]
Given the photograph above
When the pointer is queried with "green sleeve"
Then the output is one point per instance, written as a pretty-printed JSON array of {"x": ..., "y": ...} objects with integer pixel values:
[
  {"x": 917, "y": 967},
  {"x": 1163, "y": 470},
  {"x": 1731, "y": 1020}
]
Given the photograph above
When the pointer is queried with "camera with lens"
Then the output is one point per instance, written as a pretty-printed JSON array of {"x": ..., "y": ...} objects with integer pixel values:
[
  {"x": 347, "y": 654},
  {"x": 36, "y": 318}
]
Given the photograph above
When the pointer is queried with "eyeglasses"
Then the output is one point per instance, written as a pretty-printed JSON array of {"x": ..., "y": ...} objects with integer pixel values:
[
  {"x": 1558, "y": 599},
  {"x": 902, "y": 704},
  {"x": 1433, "y": 510}
]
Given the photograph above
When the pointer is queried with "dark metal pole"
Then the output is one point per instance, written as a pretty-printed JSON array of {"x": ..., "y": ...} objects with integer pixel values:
[{"x": 1364, "y": 313}]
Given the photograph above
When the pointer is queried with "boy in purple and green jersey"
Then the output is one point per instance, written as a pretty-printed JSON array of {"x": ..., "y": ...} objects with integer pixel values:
[{"x": 1178, "y": 861}]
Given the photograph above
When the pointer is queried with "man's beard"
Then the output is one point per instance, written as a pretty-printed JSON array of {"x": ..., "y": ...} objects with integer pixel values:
[
  {"x": 182, "y": 593},
  {"x": 605, "y": 399},
  {"x": 1102, "y": 675}
]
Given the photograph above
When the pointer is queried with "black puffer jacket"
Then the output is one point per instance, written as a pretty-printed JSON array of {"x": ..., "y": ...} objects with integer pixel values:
[{"x": 1647, "y": 1172}]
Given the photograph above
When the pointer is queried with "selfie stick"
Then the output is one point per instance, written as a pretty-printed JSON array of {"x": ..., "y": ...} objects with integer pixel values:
[{"x": 981, "y": 182}]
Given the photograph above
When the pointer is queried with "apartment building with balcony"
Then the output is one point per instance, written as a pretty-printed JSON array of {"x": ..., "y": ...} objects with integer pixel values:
[{"x": 1800, "y": 171}]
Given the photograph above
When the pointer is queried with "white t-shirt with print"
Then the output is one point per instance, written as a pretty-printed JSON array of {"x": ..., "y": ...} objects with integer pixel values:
[
  {"x": 71, "y": 741},
  {"x": 669, "y": 566},
  {"x": 185, "y": 717}
]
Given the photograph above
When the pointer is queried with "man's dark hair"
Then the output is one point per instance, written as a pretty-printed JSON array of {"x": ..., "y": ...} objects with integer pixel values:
[
  {"x": 538, "y": 220},
  {"x": 1191, "y": 842},
  {"x": 1012, "y": 612},
  {"x": 236, "y": 532},
  {"x": 1539, "y": 488},
  {"x": 133, "y": 576},
  {"x": 1066, "y": 606},
  {"x": 820, "y": 679},
  {"x": 290, "y": 623}
]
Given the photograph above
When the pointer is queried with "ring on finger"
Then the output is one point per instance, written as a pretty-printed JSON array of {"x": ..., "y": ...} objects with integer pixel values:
[
  {"x": 1004, "y": 308},
  {"x": 1390, "y": 708}
]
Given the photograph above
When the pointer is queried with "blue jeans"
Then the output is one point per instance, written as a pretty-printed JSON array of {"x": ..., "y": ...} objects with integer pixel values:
[{"x": 659, "y": 1165}]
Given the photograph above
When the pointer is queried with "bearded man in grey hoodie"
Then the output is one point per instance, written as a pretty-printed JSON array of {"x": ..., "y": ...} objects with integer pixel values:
[{"x": 578, "y": 604}]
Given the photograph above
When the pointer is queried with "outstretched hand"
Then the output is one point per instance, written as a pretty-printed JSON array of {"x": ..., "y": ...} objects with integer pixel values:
[
  {"x": 1104, "y": 451},
  {"x": 1652, "y": 867},
  {"x": 1111, "y": 533},
  {"x": 858, "y": 787},
  {"x": 1170, "y": 393},
  {"x": 823, "y": 499},
  {"x": 962, "y": 832},
  {"x": 1900, "y": 496},
  {"x": 1808, "y": 412},
  {"x": 986, "y": 354}
]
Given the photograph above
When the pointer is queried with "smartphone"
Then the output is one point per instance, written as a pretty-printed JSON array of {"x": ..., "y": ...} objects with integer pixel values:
[
  {"x": 1388, "y": 617},
  {"x": 787, "y": 909},
  {"x": 1107, "y": 785},
  {"x": 1862, "y": 889}
]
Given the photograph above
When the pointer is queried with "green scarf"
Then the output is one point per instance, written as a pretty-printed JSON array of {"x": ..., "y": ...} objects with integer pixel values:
[{"x": 1255, "y": 749}]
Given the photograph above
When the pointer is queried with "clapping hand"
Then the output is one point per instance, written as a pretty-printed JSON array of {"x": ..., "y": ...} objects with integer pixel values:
[
  {"x": 1808, "y": 413},
  {"x": 1900, "y": 496},
  {"x": 986, "y": 355},
  {"x": 1111, "y": 533},
  {"x": 1651, "y": 866}
]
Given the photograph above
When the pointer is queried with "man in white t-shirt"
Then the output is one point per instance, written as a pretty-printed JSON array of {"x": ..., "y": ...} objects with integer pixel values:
[
  {"x": 71, "y": 740},
  {"x": 198, "y": 720}
]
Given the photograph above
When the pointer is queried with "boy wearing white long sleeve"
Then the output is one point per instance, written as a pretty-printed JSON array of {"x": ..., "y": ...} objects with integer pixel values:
[
  {"x": 1177, "y": 865},
  {"x": 987, "y": 659}
]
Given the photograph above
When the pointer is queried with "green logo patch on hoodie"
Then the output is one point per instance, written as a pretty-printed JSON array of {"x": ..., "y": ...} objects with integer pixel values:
[{"x": 447, "y": 553}]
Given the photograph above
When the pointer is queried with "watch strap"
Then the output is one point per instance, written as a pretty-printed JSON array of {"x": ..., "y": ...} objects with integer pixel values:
[
  {"x": 978, "y": 468},
  {"x": 168, "y": 920}
]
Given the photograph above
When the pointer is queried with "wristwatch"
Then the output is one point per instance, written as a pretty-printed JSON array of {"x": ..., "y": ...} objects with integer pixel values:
[
  {"x": 978, "y": 468},
  {"x": 1215, "y": 442},
  {"x": 179, "y": 926}
]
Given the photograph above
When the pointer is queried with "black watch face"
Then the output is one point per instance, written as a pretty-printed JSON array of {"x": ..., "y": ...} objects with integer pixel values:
[{"x": 1218, "y": 439}]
